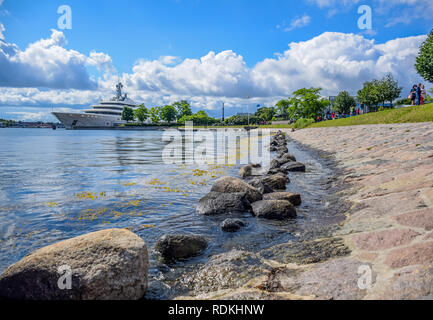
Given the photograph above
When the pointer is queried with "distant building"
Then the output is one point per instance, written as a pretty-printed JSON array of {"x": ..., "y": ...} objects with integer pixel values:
[{"x": 2, "y": 124}]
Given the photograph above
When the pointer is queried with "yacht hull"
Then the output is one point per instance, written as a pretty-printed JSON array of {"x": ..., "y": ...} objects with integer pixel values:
[{"x": 83, "y": 120}]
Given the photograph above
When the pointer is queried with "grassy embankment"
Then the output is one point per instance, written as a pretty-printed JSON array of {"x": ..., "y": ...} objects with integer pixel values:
[{"x": 403, "y": 115}]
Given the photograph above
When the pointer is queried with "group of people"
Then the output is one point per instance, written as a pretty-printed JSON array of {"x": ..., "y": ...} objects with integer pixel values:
[{"x": 417, "y": 94}]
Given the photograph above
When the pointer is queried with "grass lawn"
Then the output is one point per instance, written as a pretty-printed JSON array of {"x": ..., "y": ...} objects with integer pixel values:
[{"x": 404, "y": 115}]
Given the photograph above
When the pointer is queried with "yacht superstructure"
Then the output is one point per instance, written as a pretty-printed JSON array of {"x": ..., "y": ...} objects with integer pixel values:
[{"x": 108, "y": 113}]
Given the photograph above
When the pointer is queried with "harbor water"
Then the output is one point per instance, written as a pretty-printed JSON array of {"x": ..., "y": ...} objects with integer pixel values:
[{"x": 55, "y": 185}]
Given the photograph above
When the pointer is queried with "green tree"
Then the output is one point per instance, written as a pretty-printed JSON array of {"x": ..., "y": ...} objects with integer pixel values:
[
  {"x": 199, "y": 119},
  {"x": 282, "y": 106},
  {"x": 154, "y": 114},
  {"x": 369, "y": 95},
  {"x": 141, "y": 113},
  {"x": 266, "y": 113},
  {"x": 343, "y": 103},
  {"x": 127, "y": 114},
  {"x": 389, "y": 89},
  {"x": 182, "y": 109},
  {"x": 424, "y": 61},
  {"x": 307, "y": 103},
  {"x": 242, "y": 120},
  {"x": 168, "y": 113}
]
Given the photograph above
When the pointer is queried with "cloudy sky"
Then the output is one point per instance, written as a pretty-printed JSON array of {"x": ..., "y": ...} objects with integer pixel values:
[{"x": 207, "y": 52}]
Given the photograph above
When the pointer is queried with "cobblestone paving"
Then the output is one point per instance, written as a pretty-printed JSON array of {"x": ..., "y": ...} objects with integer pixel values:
[{"x": 390, "y": 171}]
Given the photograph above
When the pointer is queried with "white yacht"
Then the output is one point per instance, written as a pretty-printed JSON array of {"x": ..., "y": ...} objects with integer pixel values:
[{"x": 108, "y": 113}]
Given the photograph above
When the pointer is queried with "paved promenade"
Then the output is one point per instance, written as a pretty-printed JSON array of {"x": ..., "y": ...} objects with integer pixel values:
[{"x": 389, "y": 229}]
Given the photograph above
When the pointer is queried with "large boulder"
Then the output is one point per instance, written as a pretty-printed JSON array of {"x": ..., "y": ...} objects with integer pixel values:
[
  {"x": 174, "y": 247},
  {"x": 220, "y": 203},
  {"x": 274, "y": 209},
  {"x": 276, "y": 181},
  {"x": 108, "y": 264},
  {"x": 230, "y": 185},
  {"x": 293, "y": 198},
  {"x": 294, "y": 167},
  {"x": 232, "y": 225}
]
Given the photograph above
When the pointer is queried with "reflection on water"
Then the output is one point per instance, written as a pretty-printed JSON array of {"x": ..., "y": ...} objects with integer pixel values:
[{"x": 59, "y": 184}]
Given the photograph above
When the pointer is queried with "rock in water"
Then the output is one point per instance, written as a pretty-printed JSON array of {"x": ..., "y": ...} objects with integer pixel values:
[
  {"x": 276, "y": 181},
  {"x": 286, "y": 157},
  {"x": 104, "y": 265},
  {"x": 293, "y": 198},
  {"x": 230, "y": 269},
  {"x": 294, "y": 167},
  {"x": 232, "y": 225},
  {"x": 176, "y": 247},
  {"x": 220, "y": 203},
  {"x": 230, "y": 185},
  {"x": 282, "y": 149},
  {"x": 260, "y": 185},
  {"x": 274, "y": 164},
  {"x": 249, "y": 170},
  {"x": 246, "y": 171},
  {"x": 274, "y": 209}
]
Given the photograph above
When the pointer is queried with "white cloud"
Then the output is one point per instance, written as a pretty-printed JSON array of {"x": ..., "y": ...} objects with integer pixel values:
[
  {"x": 333, "y": 61},
  {"x": 338, "y": 61},
  {"x": 299, "y": 23},
  {"x": 167, "y": 60},
  {"x": 46, "y": 63}
]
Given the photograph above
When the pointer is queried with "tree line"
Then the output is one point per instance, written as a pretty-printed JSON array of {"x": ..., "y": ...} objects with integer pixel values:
[{"x": 305, "y": 103}]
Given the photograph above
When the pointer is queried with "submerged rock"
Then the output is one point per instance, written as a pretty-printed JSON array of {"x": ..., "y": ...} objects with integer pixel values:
[
  {"x": 230, "y": 185},
  {"x": 293, "y": 198},
  {"x": 274, "y": 209},
  {"x": 176, "y": 247},
  {"x": 221, "y": 203},
  {"x": 294, "y": 167},
  {"x": 228, "y": 270},
  {"x": 232, "y": 225},
  {"x": 108, "y": 264}
]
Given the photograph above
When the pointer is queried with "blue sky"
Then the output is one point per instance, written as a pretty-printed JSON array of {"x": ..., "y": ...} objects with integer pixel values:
[{"x": 203, "y": 51}]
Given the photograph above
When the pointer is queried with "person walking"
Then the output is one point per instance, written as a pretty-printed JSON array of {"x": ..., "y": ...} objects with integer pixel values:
[
  {"x": 412, "y": 95},
  {"x": 423, "y": 94}
]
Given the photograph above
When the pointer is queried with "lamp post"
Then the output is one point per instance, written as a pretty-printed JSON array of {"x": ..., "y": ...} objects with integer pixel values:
[{"x": 248, "y": 109}]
